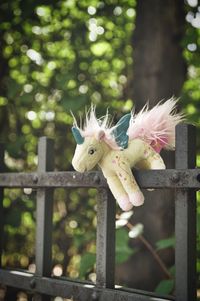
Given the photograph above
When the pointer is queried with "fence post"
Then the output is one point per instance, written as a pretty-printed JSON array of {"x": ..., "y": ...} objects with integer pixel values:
[
  {"x": 105, "y": 261},
  {"x": 44, "y": 214},
  {"x": 1, "y": 202},
  {"x": 185, "y": 217}
]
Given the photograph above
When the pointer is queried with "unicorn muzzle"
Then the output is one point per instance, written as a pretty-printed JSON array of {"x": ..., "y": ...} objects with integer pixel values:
[{"x": 78, "y": 167}]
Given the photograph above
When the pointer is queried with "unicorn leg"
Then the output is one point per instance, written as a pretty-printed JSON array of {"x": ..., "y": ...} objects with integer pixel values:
[
  {"x": 119, "y": 193},
  {"x": 129, "y": 184},
  {"x": 151, "y": 160},
  {"x": 155, "y": 161}
]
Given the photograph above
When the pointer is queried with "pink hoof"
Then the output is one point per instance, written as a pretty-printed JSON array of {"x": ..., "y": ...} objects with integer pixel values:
[
  {"x": 137, "y": 198},
  {"x": 124, "y": 203}
]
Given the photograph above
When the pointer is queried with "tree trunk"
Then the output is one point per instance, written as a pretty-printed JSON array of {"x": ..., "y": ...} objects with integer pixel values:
[{"x": 159, "y": 72}]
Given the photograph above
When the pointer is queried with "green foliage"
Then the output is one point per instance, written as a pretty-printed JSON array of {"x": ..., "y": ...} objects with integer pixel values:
[
  {"x": 123, "y": 251},
  {"x": 166, "y": 243},
  {"x": 87, "y": 263},
  {"x": 165, "y": 287},
  {"x": 58, "y": 56}
]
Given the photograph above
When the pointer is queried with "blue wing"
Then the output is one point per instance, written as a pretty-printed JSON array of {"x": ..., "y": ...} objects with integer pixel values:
[{"x": 120, "y": 131}]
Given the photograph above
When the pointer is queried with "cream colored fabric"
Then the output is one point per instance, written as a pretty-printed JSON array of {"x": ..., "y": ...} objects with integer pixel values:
[{"x": 116, "y": 166}]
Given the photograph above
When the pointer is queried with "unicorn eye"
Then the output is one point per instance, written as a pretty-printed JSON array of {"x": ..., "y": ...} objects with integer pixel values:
[{"x": 91, "y": 151}]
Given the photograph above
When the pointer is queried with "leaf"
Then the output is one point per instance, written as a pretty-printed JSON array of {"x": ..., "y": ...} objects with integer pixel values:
[
  {"x": 165, "y": 287},
  {"x": 172, "y": 270},
  {"x": 166, "y": 243},
  {"x": 87, "y": 263},
  {"x": 123, "y": 251}
]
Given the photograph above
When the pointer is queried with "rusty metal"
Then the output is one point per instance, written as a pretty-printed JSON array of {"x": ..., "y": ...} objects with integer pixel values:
[
  {"x": 44, "y": 214},
  {"x": 105, "y": 258},
  {"x": 185, "y": 218},
  {"x": 185, "y": 179},
  {"x": 79, "y": 291},
  {"x": 169, "y": 178}
]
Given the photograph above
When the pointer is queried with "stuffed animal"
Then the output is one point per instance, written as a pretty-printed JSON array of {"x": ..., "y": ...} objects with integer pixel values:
[{"x": 135, "y": 141}]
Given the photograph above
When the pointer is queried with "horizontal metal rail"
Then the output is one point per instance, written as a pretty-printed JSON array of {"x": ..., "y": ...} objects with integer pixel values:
[
  {"x": 169, "y": 178},
  {"x": 68, "y": 289}
]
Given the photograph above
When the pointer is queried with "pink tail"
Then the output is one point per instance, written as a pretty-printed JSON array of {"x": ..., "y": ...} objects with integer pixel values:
[{"x": 156, "y": 126}]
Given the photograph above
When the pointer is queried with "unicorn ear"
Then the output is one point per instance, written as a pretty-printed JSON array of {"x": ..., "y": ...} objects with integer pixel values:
[
  {"x": 77, "y": 135},
  {"x": 100, "y": 135}
]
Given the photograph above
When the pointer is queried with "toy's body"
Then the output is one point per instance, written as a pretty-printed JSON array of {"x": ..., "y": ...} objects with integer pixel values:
[{"x": 113, "y": 149}]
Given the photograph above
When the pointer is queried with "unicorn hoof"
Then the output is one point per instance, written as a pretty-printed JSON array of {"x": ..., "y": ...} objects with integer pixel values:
[
  {"x": 137, "y": 198},
  {"x": 124, "y": 203}
]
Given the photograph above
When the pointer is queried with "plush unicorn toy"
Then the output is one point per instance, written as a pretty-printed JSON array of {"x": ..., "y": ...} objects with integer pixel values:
[{"x": 135, "y": 141}]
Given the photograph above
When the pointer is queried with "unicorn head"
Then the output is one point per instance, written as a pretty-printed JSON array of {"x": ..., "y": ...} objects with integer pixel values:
[
  {"x": 96, "y": 138},
  {"x": 89, "y": 151},
  {"x": 93, "y": 140}
]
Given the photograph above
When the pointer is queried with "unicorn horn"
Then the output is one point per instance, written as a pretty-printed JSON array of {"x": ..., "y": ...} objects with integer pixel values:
[{"x": 77, "y": 135}]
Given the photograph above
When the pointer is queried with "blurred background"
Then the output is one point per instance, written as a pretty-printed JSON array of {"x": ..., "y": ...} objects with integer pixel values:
[{"x": 57, "y": 56}]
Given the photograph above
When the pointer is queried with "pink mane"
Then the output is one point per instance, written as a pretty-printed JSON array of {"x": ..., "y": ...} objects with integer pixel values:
[
  {"x": 156, "y": 126},
  {"x": 93, "y": 125}
]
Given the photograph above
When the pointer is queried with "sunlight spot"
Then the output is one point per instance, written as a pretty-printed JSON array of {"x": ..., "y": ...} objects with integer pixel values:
[
  {"x": 113, "y": 84},
  {"x": 57, "y": 270},
  {"x": 31, "y": 115},
  {"x": 21, "y": 273},
  {"x": 27, "y": 190},
  {"x": 122, "y": 79},
  {"x": 92, "y": 27},
  {"x": 93, "y": 277},
  {"x": 51, "y": 65},
  {"x": 35, "y": 56},
  {"x": 196, "y": 21},
  {"x": 192, "y": 3},
  {"x": 49, "y": 116},
  {"x": 130, "y": 12},
  {"x": 100, "y": 30},
  {"x": 88, "y": 285},
  {"x": 92, "y": 36},
  {"x": 92, "y": 21},
  {"x": 39, "y": 97},
  {"x": 28, "y": 88},
  {"x": 96, "y": 96},
  {"x": 73, "y": 224},
  {"x": 37, "y": 30},
  {"x": 40, "y": 11},
  {"x": 83, "y": 89},
  {"x": 58, "y": 299},
  {"x": 117, "y": 11},
  {"x": 192, "y": 47},
  {"x": 189, "y": 17},
  {"x": 21, "y": 296},
  {"x": 192, "y": 71},
  {"x": 91, "y": 10}
]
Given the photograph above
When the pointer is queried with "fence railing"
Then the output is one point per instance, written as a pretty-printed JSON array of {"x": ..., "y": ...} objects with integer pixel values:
[{"x": 184, "y": 179}]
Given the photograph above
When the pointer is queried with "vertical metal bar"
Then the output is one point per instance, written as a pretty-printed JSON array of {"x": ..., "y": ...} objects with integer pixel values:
[
  {"x": 185, "y": 218},
  {"x": 105, "y": 261},
  {"x": 1, "y": 203},
  {"x": 44, "y": 213}
]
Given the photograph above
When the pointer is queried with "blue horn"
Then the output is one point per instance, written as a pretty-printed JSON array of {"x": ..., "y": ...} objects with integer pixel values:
[{"x": 77, "y": 135}]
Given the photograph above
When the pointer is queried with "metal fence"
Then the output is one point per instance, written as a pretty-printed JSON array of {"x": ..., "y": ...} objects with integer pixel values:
[{"x": 184, "y": 179}]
